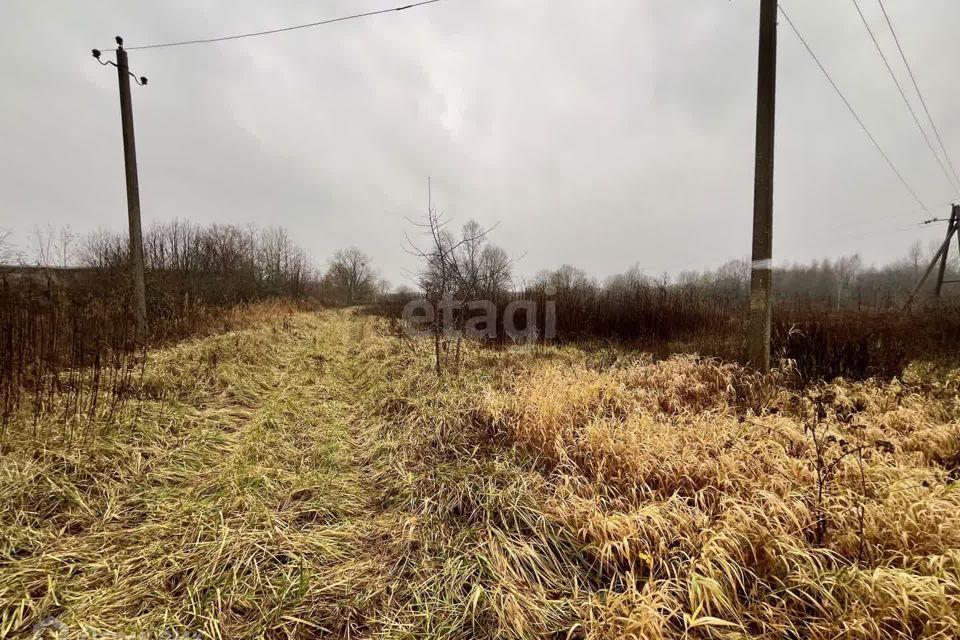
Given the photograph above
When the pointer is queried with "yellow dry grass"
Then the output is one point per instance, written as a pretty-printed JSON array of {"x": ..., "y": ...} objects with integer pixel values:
[
  {"x": 615, "y": 496},
  {"x": 308, "y": 476},
  {"x": 221, "y": 505}
]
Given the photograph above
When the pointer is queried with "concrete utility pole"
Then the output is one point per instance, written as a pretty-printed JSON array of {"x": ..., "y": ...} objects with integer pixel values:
[
  {"x": 133, "y": 190},
  {"x": 953, "y": 229},
  {"x": 761, "y": 272}
]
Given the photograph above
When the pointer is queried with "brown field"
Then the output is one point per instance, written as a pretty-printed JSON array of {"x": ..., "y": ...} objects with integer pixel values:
[{"x": 308, "y": 475}]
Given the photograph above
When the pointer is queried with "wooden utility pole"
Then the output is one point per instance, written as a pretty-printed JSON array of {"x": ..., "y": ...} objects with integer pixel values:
[
  {"x": 761, "y": 272},
  {"x": 133, "y": 191}
]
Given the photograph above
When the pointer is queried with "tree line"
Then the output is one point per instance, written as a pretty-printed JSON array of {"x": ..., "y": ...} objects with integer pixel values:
[
  {"x": 216, "y": 263},
  {"x": 832, "y": 317},
  {"x": 229, "y": 263}
]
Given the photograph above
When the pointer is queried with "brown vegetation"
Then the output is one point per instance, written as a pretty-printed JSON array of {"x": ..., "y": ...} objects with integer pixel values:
[
  {"x": 54, "y": 322},
  {"x": 602, "y": 494},
  {"x": 259, "y": 470},
  {"x": 310, "y": 475},
  {"x": 822, "y": 343}
]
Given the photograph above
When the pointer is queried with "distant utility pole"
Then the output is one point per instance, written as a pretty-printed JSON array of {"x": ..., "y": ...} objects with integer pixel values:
[
  {"x": 761, "y": 272},
  {"x": 953, "y": 229},
  {"x": 133, "y": 185}
]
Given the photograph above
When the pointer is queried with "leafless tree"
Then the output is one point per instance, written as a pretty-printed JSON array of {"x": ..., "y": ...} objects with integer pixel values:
[
  {"x": 496, "y": 271},
  {"x": 54, "y": 247},
  {"x": 7, "y": 250},
  {"x": 847, "y": 269},
  {"x": 351, "y": 276},
  {"x": 565, "y": 279},
  {"x": 915, "y": 257},
  {"x": 457, "y": 272},
  {"x": 435, "y": 279},
  {"x": 216, "y": 263}
]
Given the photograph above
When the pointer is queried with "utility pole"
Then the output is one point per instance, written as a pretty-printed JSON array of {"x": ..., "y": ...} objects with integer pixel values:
[
  {"x": 133, "y": 186},
  {"x": 953, "y": 228},
  {"x": 761, "y": 272}
]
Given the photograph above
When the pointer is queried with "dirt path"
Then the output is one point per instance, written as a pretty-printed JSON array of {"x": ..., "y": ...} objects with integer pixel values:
[{"x": 229, "y": 504}]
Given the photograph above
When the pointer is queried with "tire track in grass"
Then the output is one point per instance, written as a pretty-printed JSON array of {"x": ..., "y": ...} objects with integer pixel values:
[{"x": 230, "y": 507}]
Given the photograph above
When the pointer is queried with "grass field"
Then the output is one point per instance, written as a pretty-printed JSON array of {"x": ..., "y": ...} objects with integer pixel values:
[{"x": 308, "y": 475}]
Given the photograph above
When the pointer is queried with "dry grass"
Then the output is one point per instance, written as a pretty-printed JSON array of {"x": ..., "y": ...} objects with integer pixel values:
[
  {"x": 613, "y": 496},
  {"x": 308, "y": 476},
  {"x": 223, "y": 508}
]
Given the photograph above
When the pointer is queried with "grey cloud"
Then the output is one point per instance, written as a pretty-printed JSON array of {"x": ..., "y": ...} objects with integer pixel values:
[{"x": 602, "y": 134}]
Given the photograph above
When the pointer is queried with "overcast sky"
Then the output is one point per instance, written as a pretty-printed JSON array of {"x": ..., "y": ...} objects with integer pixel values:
[{"x": 602, "y": 133}]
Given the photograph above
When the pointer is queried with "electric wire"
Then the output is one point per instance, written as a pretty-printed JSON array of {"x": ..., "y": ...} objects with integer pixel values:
[
  {"x": 252, "y": 34},
  {"x": 913, "y": 113},
  {"x": 853, "y": 111},
  {"x": 916, "y": 86},
  {"x": 793, "y": 26}
]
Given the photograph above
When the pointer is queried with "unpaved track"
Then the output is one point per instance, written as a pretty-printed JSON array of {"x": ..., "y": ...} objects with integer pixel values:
[{"x": 231, "y": 502}]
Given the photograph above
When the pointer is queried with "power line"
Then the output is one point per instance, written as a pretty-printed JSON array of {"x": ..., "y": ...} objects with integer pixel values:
[
  {"x": 919, "y": 93},
  {"x": 903, "y": 95},
  {"x": 853, "y": 111},
  {"x": 820, "y": 241},
  {"x": 852, "y": 224},
  {"x": 282, "y": 29}
]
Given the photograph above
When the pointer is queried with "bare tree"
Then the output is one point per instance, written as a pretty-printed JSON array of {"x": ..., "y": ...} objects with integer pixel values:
[
  {"x": 382, "y": 287},
  {"x": 479, "y": 269},
  {"x": 104, "y": 249},
  {"x": 435, "y": 279},
  {"x": 496, "y": 271},
  {"x": 456, "y": 272},
  {"x": 567, "y": 280},
  {"x": 54, "y": 247},
  {"x": 915, "y": 257},
  {"x": 7, "y": 251},
  {"x": 43, "y": 245},
  {"x": 847, "y": 269},
  {"x": 212, "y": 263},
  {"x": 351, "y": 276}
]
